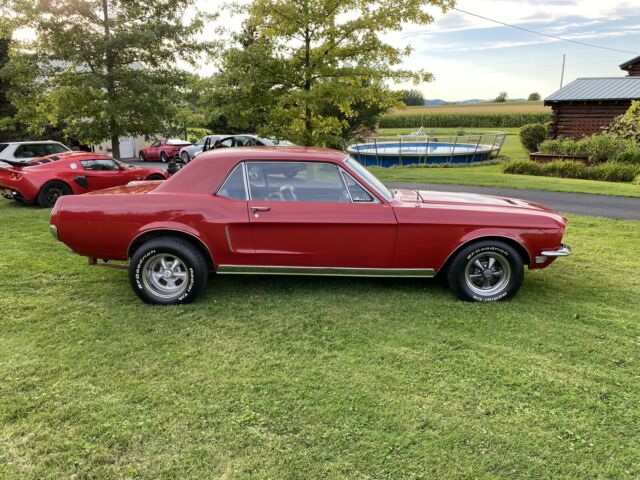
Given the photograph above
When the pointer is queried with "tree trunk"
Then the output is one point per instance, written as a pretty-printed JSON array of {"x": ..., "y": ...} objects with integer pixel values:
[
  {"x": 308, "y": 125},
  {"x": 115, "y": 147}
]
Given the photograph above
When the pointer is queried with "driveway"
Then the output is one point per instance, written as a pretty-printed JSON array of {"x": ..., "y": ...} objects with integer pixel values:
[{"x": 621, "y": 208}]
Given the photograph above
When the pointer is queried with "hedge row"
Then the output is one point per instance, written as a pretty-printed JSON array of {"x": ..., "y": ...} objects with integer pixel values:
[
  {"x": 466, "y": 120},
  {"x": 608, "y": 172}
]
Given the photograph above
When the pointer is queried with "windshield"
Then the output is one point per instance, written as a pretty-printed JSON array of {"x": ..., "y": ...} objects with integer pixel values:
[{"x": 370, "y": 178}]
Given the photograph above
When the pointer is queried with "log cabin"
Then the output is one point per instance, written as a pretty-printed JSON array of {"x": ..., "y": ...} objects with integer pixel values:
[{"x": 587, "y": 105}]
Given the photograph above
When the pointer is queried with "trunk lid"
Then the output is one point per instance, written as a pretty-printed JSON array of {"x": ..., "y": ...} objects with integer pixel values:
[{"x": 130, "y": 188}]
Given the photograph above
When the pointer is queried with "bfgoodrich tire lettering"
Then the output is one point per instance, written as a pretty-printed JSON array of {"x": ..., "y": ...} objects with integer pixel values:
[
  {"x": 168, "y": 271},
  {"x": 486, "y": 271}
]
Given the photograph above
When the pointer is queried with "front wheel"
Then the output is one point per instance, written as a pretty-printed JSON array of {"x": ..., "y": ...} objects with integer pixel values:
[
  {"x": 184, "y": 156},
  {"x": 141, "y": 157},
  {"x": 155, "y": 176},
  {"x": 168, "y": 271},
  {"x": 164, "y": 157},
  {"x": 486, "y": 271}
]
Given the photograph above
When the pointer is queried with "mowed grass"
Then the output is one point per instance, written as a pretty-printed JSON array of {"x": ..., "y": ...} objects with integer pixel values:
[
  {"x": 489, "y": 107},
  {"x": 492, "y": 176},
  {"x": 276, "y": 377}
]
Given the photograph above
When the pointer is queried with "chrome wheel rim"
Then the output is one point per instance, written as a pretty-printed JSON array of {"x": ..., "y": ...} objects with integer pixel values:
[
  {"x": 487, "y": 273},
  {"x": 165, "y": 275}
]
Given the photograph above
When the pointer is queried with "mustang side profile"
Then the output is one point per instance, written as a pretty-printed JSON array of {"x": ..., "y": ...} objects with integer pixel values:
[
  {"x": 45, "y": 179},
  {"x": 304, "y": 212}
]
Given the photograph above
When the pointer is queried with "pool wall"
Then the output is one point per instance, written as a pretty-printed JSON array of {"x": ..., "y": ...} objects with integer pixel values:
[{"x": 403, "y": 151}]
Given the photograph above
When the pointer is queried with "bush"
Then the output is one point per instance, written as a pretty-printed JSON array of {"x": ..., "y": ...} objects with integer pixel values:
[
  {"x": 608, "y": 172},
  {"x": 467, "y": 120},
  {"x": 614, "y": 172},
  {"x": 627, "y": 125},
  {"x": 631, "y": 154},
  {"x": 523, "y": 167},
  {"x": 636, "y": 181},
  {"x": 597, "y": 148},
  {"x": 532, "y": 135}
]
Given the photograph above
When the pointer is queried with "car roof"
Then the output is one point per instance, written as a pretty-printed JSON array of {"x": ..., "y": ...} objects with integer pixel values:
[
  {"x": 211, "y": 167},
  {"x": 32, "y": 142}
]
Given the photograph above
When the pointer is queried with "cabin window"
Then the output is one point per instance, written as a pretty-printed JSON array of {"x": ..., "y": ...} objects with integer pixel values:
[
  {"x": 296, "y": 182},
  {"x": 234, "y": 186},
  {"x": 100, "y": 165}
]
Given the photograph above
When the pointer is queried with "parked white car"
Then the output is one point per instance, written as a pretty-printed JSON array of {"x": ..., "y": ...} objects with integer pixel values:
[
  {"x": 188, "y": 153},
  {"x": 25, "y": 151}
]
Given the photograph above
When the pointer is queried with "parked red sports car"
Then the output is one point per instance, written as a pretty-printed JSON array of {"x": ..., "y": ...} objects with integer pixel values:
[
  {"x": 46, "y": 179},
  {"x": 243, "y": 211},
  {"x": 163, "y": 150}
]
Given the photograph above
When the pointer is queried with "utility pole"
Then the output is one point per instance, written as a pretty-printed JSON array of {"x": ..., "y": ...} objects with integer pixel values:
[{"x": 564, "y": 59}]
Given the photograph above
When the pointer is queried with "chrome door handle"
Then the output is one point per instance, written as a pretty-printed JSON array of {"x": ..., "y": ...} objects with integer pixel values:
[{"x": 260, "y": 209}]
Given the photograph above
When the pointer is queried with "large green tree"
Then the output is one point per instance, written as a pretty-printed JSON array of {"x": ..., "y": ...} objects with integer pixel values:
[
  {"x": 303, "y": 69},
  {"x": 103, "y": 68}
]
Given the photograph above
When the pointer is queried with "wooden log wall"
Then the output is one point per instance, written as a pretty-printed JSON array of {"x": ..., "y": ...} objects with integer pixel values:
[{"x": 579, "y": 119}]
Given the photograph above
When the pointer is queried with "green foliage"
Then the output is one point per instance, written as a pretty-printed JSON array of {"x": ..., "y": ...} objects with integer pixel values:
[
  {"x": 412, "y": 97},
  {"x": 608, "y": 172},
  {"x": 297, "y": 63},
  {"x": 194, "y": 134},
  {"x": 533, "y": 97},
  {"x": 466, "y": 120},
  {"x": 103, "y": 72},
  {"x": 502, "y": 97},
  {"x": 627, "y": 125},
  {"x": 636, "y": 180},
  {"x": 532, "y": 135},
  {"x": 598, "y": 148}
]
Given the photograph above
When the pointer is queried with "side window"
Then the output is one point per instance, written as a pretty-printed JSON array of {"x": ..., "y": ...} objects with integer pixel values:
[
  {"x": 227, "y": 142},
  {"x": 99, "y": 165},
  {"x": 358, "y": 194},
  {"x": 3, "y": 146},
  {"x": 30, "y": 151},
  {"x": 296, "y": 182},
  {"x": 234, "y": 187},
  {"x": 157, "y": 143},
  {"x": 52, "y": 148},
  {"x": 244, "y": 142}
]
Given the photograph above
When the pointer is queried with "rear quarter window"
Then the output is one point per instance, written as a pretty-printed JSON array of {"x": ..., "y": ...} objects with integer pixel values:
[{"x": 3, "y": 146}]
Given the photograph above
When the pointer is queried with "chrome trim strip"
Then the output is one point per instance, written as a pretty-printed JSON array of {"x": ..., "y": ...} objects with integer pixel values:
[
  {"x": 54, "y": 231},
  {"x": 563, "y": 251},
  {"x": 326, "y": 271},
  {"x": 226, "y": 231}
]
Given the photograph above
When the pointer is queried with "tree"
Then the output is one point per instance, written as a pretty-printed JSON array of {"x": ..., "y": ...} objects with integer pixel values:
[
  {"x": 502, "y": 97},
  {"x": 298, "y": 62},
  {"x": 103, "y": 68},
  {"x": 534, "y": 97},
  {"x": 627, "y": 125},
  {"x": 412, "y": 97}
]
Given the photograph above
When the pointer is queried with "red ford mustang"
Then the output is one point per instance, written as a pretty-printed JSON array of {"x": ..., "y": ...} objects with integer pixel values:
[
  {"x": 45, "y": 179},
  {"x": 163, "y": 150},
  {"x": 304, "y": 212}
]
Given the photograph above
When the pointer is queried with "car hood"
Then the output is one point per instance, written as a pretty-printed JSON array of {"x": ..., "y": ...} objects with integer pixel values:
[
  {"x": 139, "y": 187},
  {"x": 471, "y": 200}
]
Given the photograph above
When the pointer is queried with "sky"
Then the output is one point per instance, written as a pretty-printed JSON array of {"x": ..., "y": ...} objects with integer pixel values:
[{"x": 475, "y": 58}]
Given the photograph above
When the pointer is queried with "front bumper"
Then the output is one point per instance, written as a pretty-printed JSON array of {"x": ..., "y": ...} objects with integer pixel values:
[{"x": 545, "y": 255}]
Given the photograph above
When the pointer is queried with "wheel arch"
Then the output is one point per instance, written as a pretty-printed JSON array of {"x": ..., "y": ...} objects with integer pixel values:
[
  {"x": 516, "y": 244},
  {"x": 152, "y": 234}
]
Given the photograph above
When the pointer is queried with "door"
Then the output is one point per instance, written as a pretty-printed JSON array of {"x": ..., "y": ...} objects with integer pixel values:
[
  {"x": 303, "y": 215},
  {"x": 102, "y": 174},
  {"x": 153, "y": 151}
]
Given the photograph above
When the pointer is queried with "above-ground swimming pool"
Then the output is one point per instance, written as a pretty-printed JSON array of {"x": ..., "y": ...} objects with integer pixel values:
[{"x": 420, "y": 150}]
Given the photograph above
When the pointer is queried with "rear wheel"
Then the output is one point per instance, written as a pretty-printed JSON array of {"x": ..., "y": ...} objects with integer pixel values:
[
  {"x": 168, "y": 271},
  {"x": 155, "y": 176},
  {"x": 50, "y": 193},
  {"x": 486, "y": 271},
  {"x": 164, "y": 158},
  {"x": 142, "y": 157}
]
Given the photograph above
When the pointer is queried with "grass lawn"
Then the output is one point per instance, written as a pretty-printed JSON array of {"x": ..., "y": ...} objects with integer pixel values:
[
  {"x": 276, "y": 377},
  {"x": 492, "y": 176}
]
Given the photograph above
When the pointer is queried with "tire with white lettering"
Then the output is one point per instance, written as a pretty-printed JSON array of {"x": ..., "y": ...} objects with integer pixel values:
[
  {"x": 486, "y": 271},
  {"x": 168, "y": 271}
]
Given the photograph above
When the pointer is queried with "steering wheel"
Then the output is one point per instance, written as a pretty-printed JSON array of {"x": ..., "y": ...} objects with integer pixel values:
[{"x": 288, "y": 193}]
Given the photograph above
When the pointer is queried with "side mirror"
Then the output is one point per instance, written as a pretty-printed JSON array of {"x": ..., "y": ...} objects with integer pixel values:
[{"x": 122, "y": 167}]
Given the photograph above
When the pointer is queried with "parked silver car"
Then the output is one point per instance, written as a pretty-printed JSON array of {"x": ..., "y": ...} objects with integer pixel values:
[
  {"x": 187, "y": 154},
  {"x": 26, "y": 151}
]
